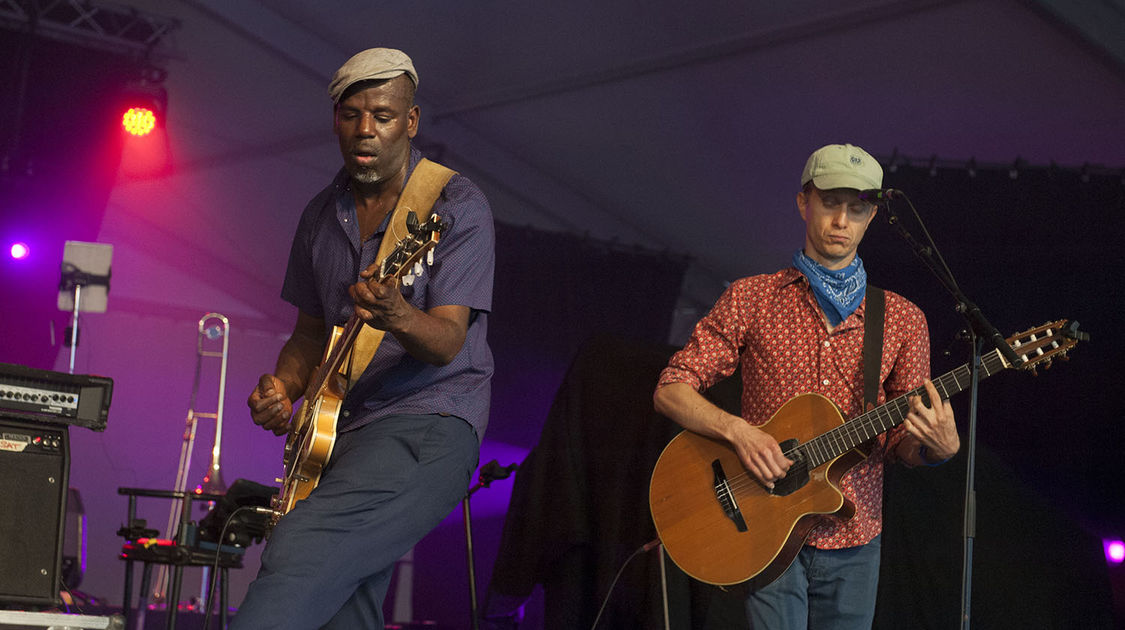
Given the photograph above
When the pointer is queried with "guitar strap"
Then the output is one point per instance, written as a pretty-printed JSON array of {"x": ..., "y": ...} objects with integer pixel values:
[
  {"x": 422, "y": 190},
  {"x": 873, "y": 344}
]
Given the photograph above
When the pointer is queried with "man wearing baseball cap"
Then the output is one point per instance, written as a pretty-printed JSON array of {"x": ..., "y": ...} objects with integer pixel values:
[
  {"x": 798, "y": 331},
  {"x": 408, "y": 431}
]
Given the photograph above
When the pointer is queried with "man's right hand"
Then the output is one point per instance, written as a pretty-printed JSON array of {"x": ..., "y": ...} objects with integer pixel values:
[
  {"x": 760, "y": 453},
  {"x": 270, "y": 406}
]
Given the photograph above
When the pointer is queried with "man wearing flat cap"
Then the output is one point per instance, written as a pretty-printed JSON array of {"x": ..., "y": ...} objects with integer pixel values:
[
  {"x": 408, "y": 430},
  {"x": 800, "y": 331}
]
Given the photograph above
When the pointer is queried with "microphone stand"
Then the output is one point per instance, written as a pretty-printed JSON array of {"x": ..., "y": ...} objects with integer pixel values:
[
  {"x": 73, "y": 279},
  {"x": 492, "y": 471},
  {"x": 981, "y": 332}
]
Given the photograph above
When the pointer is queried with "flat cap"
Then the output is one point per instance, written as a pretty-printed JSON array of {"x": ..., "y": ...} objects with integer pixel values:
[{"x": 372, "y": 64}]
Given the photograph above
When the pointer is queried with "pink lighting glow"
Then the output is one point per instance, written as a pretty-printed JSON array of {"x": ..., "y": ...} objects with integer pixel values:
[
  {"x": 19, "y": 251},
  {"x": 1114, "y": 551}
]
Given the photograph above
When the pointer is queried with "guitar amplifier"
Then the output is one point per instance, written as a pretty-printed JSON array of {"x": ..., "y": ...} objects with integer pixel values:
[
  {"x": 54, "y": 397},
  {"x": 35, "y": 469}
]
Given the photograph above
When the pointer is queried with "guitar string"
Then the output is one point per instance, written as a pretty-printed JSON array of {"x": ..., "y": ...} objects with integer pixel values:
[
  {"x": 991, "y": 363},
  {"x": 354, "y": 323},
  {"x": 837, "y": 439}
]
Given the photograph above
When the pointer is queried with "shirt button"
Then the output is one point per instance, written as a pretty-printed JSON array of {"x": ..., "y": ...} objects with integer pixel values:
[
  {"x": 826, "y": 344},
  {"x": 825, "y": 381},
  {"x": 348, "y": 414}
]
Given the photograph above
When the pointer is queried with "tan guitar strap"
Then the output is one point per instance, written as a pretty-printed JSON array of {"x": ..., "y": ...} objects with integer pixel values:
[{"x": 422, "y": 190}]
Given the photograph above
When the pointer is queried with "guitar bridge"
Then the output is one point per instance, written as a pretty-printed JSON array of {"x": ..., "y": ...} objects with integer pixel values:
[{"x": 726, "y": 497}]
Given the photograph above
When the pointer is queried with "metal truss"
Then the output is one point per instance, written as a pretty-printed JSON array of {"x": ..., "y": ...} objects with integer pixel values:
[{"x": 113, "y": 27}]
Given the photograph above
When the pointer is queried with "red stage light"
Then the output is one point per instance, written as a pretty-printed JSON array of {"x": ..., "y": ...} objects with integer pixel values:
[{"x": 139, "y": 121}]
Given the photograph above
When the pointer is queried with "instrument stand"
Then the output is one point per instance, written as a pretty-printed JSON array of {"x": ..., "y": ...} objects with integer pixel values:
[
  {"x": 981, "y": 331},
  {"x": 492, "y": 471}
]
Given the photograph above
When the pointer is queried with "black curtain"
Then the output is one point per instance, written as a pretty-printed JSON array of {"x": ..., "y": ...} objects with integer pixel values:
[
  {"x": 578, "y": 331},
  {"x": 554, "y": 291},
  {"x": 579, "y": 507},
  {"x": 1027, "y": 246},
  {"x": 1028, "y": 249}
]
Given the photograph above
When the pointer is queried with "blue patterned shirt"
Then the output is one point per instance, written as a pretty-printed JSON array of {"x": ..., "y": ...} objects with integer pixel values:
[{"x": 326, "y": 258}]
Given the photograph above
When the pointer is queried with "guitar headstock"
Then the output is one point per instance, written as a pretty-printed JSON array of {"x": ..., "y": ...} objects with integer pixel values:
[
  {"x": 1042, "y": 344},
  {"x": 405, "y": 260}
]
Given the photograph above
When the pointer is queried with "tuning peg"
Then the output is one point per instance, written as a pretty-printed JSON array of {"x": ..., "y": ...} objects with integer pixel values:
[
  {"x": 418, "y": 268},
  {"x": 408, "y": 279},
  {"x": 430, "y": 257}
]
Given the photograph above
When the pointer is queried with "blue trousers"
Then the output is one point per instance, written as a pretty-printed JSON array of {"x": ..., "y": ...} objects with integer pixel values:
[
  {"x": 328, "y": 563},
  {"x": 824, "y": 589}
]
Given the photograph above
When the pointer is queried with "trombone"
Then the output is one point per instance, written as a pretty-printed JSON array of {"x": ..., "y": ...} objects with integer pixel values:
[{"x": 212, "y": 342}]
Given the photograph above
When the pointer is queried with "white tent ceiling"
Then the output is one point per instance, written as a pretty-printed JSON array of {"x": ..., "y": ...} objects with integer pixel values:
[{"x": 665, "y": 125}]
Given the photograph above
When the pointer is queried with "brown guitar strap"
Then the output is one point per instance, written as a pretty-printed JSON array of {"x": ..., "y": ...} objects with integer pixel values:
[
  {"x": 422, "y": 190},
  {"x": 873, "y": 344}
]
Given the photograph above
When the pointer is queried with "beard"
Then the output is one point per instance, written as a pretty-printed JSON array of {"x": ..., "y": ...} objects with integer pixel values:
[{"x": 367, "y": 175}]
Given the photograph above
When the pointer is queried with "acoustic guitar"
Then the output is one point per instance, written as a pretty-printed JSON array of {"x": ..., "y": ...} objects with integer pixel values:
[
  {"x": 312, "y": 432},
  {"x": 721, "y": 526}
]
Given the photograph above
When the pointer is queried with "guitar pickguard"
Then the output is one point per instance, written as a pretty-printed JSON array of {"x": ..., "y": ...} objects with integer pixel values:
[{"x": 797, "y": 475}]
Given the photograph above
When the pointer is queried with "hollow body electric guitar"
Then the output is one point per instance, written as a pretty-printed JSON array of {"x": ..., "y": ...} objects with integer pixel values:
[
  {"x": 312, "y": 432},
  {"x": 721, "y": 526}
]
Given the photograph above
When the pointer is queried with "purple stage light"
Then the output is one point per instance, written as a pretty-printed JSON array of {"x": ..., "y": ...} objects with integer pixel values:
[
  {"x": 1114, "y": 551},
  {"x": 19, "y": 251}
]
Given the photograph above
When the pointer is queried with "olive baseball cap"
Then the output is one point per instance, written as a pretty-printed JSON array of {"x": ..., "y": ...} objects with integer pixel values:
[
  {"x": 372, "y": 64},
  {"x": 842, "y": 166}
]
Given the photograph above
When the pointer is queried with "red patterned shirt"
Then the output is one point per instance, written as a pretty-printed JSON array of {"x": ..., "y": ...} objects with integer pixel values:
[{"x": 771, "y": 325}]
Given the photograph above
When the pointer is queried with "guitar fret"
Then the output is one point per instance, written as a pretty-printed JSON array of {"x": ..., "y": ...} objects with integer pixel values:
[
  {"x": 817, "y": 458},
  {"x": 866, "y": 427},
  {"x": 881, "y": 419},
  {"x": 884, "y": 416},
  {"x": 822, "y": 452},
  {"x": 833, "y": 441},
  {"x": 810, "y": 456}
]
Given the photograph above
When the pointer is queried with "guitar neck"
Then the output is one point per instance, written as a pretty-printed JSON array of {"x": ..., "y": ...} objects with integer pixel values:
[
  {"x": 407, "y": 253},
  {"x": 831, "y": 444},
  {"x": 335, "y": 359}
]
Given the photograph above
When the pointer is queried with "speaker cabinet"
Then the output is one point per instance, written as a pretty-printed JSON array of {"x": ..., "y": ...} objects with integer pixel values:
[{"x": 34, "y": 473}]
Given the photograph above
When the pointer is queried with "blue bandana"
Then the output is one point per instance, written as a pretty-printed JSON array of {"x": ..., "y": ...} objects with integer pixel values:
[{"x": 838, "y": 291}]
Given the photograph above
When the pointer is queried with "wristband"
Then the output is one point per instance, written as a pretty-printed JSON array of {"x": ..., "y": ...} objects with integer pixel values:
[{"x": 922, "y": 450}]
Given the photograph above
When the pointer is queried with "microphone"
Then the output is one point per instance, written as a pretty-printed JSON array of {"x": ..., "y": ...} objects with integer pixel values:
[
  {"x": 493, "y": 471},
  {"x": 876, "y": 195}
]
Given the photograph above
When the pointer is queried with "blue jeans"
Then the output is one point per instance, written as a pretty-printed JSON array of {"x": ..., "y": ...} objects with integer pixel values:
[
  {"x": 824, "y": 589},
  {"x": 328, "y": 563}
]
